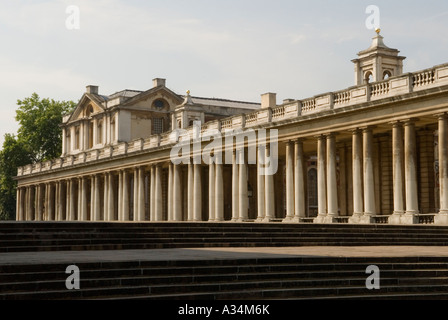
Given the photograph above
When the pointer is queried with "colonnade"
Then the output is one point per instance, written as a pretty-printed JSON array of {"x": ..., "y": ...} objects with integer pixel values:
[{"x": 106, "y": 196}]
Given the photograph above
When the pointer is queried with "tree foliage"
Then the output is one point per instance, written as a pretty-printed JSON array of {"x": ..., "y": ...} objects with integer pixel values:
[
  {"x": 39, "y": 122},
  {"x": 39, "y": 138}
]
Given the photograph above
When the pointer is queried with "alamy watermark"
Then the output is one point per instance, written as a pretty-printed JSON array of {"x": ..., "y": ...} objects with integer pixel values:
[
  {"x": 373, "y": 20},
  {"x": 189, "y": 147},
  {"x": 73, "y": 280},
  {"x": 373, "y": 281},
  {"x": 73, "y": 21}
]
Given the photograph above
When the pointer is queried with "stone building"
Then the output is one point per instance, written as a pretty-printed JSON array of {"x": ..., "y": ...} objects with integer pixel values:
[{"x": 372, "y": 153}]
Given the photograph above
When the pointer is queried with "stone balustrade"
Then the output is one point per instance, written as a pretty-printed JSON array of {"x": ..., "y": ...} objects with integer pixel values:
[{"x": 394, "y": 86}]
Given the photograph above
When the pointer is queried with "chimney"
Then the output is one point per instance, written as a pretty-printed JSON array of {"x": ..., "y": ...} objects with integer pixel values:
[
  {"x": 92, "y": 89},
  {"x": 268, "y": 100},
  {"x": 157, "y": 82}
]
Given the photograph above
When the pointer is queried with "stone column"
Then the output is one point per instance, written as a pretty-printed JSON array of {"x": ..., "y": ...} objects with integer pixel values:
[
  {"x": 51, "y": 202},
  {"x": 260, "y": 183},
  {"x": 235, "y": 186},
  {"x": 120, "y": 195},
  {"x": 126, "y": 196},
  {"x": 72, "y": 201},
  {"x": 79, "y": 204},
  {"x": 321, "y": 181},
  {"x": 369, "y": 180},
  {"x": 299, "y": 182},
  {"x": 39, "y": 203},
  {"x": 190, "y": 191},
  {"x": 410, "y": 165},
  {"x": 442, "y": 217},
  {"x": 26, "y": 206},
  {"x": 18, "y": 204},
  {"x": 31, "y": 215},
  {"x": 56, "y": 196},
  {"x": 197, "y": 193},
  {"x": 242, "y": 188},
  {"x": 111, "y": 198},
  {"x": 106, "y": 196},
  {"x": 332, "y": 186},
  {"x": 269, "y": 200},
  {"x": 177, "y": 193},
  {"x": 83, "y": 199},
  {"x": 152, "y": 200},
  {"x": 397, "y": 172},
  {"x": 219, "y": 194},
  {"x": 211, "y": 191},
  {"x": 141, "y": 194},
  {"x": 97, "y": 200},
  {"x": 60, "y": 202},
  {"x": 135, "y": 194},
  {"x": 289, "y": 182},
  {"x": 357, "y": 166},
  {"x": 158, "y": 194},
  {"x": 170, "y": 192}
]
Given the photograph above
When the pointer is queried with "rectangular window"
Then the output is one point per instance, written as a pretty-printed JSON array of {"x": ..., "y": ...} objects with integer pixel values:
[{"x": 157, "y": 125}]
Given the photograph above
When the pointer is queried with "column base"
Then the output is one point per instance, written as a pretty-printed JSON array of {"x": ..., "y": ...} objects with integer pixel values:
[
  {"x": 355, "y": 218},
  {"x": 409, "y": 219},
  {"x": 441, "y": 218},
  {"x": 319, "y": 219},
  {"x": 366, "y": 219},
  {"x": 325, "y": 219},
  {"x": 296, "y": 220},
  {"x": 267, "y": 219},
  {"x": 288, "y": 219},
  {"x": 395, "y": 218}
]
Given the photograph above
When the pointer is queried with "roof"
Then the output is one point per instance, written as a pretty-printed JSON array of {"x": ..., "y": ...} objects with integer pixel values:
[{"x": 225, "y": 103}]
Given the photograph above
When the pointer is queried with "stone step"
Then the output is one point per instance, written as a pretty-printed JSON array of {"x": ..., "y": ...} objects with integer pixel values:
[{"x": 272, "y": 279}]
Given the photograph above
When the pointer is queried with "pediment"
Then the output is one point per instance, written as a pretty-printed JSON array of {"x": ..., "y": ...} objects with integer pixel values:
[
  {"x": 86, "y": 107},
  {"x": 148, "y": 100}
]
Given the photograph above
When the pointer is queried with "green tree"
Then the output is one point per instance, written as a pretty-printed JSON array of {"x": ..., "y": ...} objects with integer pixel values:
[
  {"x": 39, "y": 138},
  {"x": 39, "y": 125},
  {"x": 13, "y": 155}
]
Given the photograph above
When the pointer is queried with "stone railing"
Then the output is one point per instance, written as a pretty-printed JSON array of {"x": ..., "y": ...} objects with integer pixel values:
[
  {"x": 291, "y": 109},
  {"x": 426, "y": 218}
]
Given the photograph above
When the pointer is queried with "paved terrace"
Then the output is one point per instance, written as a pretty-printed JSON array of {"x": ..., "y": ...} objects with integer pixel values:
[{"x": 198, "y": 254}]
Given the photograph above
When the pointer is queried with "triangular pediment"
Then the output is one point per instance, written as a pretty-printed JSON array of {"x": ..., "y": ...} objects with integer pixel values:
[{"x": 87, "y": 106}]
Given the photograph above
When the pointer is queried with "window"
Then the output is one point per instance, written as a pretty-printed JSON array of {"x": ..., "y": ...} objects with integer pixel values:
[
  {"x": 99, "y": 133},
  {"x": 368, "y": 77},
  {"x": 157, "y": 125},
  {"x": 91, "y": 135},
  {"x": 387, "y": 74},
  {"x": 312, "y": 190},
  {"x": 77, "y": 138},
  {"x": 159, "y": 104}
]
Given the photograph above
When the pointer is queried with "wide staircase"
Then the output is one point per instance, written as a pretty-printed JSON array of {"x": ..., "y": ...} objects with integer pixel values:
[
  {"x": 224, "y": 279},
  {"x": 310, "y": 277},
  {"x": 40, "y": 236}
]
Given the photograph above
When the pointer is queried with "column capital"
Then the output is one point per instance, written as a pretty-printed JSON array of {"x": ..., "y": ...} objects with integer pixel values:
[
  {"x": 367, "y": 128},
  {"x": 441, "y": 116},
  {"x": 396, "y": 123},
  {"x": 409, "y": 121}
]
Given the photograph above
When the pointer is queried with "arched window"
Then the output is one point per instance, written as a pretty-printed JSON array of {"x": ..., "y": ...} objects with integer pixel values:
[
  {"x": 387, "y": 74},
  {"x": 368, "y": 77}
]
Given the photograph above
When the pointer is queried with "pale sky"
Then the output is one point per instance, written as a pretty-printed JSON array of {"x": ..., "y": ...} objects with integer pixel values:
[{"x": 230, "y": 49}]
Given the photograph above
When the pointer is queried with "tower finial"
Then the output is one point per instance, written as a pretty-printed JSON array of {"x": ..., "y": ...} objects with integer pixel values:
[{"x": 378, "y": 30}]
